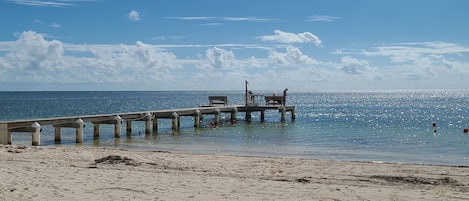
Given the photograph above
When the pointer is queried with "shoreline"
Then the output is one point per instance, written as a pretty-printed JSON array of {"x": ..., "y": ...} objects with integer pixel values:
[{"x": 97, "y": 173}]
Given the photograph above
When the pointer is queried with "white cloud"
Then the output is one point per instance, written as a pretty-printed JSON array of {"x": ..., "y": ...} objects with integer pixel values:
[
  {"x": 32, "y": 51},
  {"x": 219, "y": 58},
  {"x": 286, "y": 37},
  {"x": 353, "y": 65},
  {"x": 55, "y": 25},
  {"x": 323, "y": 18},
  {"x": 291, "y": 57},
  {"x": 230, "y": 19},
  {"x": 168, "y": 37},
  {"x": 133, "y": 15},
  {"x": 49, "y": 3}
]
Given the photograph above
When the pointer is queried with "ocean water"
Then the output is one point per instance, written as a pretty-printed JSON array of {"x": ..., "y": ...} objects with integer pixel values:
[{"x": 390, "y": 126}]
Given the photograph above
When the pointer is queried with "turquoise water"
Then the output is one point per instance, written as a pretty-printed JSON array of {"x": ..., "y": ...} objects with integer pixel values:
[{"x": 360, "y": 126}]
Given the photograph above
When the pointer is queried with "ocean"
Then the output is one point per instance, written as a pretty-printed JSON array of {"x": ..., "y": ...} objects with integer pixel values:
[{"x": 380, "y": 126}]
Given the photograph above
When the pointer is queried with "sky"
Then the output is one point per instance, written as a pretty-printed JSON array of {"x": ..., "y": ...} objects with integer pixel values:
[{"x": 302, "y": 45}]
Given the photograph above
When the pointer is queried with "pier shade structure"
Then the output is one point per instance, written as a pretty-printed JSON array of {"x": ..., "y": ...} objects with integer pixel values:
[{"x": 217, "y": 106}]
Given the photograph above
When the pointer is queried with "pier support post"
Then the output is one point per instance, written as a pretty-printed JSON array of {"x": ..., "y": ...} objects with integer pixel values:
[
  {"x": 96, "y": 130},
  {"x": 148, "y": 124},
  {"x": 79, "y": 131},
  {"x": 5, "y": 135},
  {"x": 293, "y": 117},
  {"x": 36, "y": 136},
  {"x": 282, "y": 111},
  {"x": 248, "y": 114},
  {"x": 234, "y": 112},
  {"x": 197, "y": 119},
  {"x": 155, "y": 124},
  {"x": 175, "y": 117},
  {"x": 58, "y": 134},
  {"x": 117, "y": 126},
  {"x": 217, "y": 116},
  {"x": 128, "y": 129},
  {"x": 262, "y": 115}
]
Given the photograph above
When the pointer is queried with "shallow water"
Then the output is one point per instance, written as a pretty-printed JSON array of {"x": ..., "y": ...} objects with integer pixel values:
[{"x": 365, "y": 126}]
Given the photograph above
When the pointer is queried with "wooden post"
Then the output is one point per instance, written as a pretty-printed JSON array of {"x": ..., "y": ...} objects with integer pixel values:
[
  {"x": 262, "y": 115},
  {"x": 248, "y": 114},
  {"x": 148, "y": 124},
  {"x": 58, "y": 135},
  {"x": 128, "y": 127},
  {"x": 96, "y": 130},
  {"x": 36, "y": 136},
  {"x": 175, "y": 125},
  {"x": 234, "y": 112},
  {"x": 117, "y": 126},
  {"x": 5, "y": 135},
  {"x": 155, "y": 124},
  {"x": 79, "y": 131},
  {"x": 197, "y": 119},
  {"x": 282, "y": 115},
  {"x": 217, "y": 116},
  {"x": 293, "y": 117}
]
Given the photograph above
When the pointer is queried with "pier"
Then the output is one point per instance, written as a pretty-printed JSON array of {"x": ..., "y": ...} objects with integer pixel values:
[{"x": 217, "y": 106}]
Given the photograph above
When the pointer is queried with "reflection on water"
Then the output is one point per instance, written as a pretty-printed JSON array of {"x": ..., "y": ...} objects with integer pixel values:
[{"x": 371, "y": 126}]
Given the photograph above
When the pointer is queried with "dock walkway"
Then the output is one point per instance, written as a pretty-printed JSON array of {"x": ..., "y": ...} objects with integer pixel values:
[{"x": 149, "y": 117}]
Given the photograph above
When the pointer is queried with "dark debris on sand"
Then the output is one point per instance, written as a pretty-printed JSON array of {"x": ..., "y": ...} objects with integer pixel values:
[{"x": 115, "y": 159}]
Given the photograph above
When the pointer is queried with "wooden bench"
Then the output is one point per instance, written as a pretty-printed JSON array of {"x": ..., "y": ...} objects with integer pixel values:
[{"x": 218, "y": 100}]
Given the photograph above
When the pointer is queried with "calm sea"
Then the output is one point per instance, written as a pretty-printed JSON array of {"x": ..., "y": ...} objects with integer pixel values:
[{"x": 360, "y": 126}]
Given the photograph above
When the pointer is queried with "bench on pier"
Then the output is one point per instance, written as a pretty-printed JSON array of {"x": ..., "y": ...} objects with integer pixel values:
[
  {"x": 274, "y": 100},
  {"x": 218, "y": 100}
]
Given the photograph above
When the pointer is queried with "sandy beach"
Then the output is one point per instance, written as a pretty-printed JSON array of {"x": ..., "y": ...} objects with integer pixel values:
[{"x": 84, "y": 173}]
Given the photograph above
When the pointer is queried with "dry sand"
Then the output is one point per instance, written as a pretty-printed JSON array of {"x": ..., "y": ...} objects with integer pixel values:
[{"x": 79, "y": 173}]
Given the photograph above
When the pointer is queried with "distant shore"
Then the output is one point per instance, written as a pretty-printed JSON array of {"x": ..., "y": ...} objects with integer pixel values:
[{"x": 77, "y": 173}]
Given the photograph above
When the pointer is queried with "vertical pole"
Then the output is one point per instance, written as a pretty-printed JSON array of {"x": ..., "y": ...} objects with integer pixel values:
[
  {"x": 248, "y": 115},
  {"x": 234, "y": 112},
  {"x": 36, "y": 134},
  {"x": 79, "y": 131},
  {"x": 293, "y": 116},
  {"x": 58, "y": 135},
  {"x": 262, "y": 115},
  {"x": 197, "y": 119},
  {"x": 246, "y": 93},
  {"x": 155, "y": 124},
  {"x": 5, "y": 136},
  {"x": 148, "y": 124},
  {"x": 9, "y": 138},
  {"x": 128, "y": 129},
  {"x": 282, "y": 115},
  {"x": 117, "y": 126},
  {"x": 96, "y": 129},
  {"x": 175, "y": 125},
  {"x": 217, "y": 116}
]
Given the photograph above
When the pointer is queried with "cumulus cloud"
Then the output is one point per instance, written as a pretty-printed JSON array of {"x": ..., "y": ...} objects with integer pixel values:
[
  {"x": 219, "y": 58},
  {"x": 291, "y": 57},
  {"x": 352, "y": 65},
  {"x": 133, "y": 15},
  {"x": 34, "y": 58},
  {"x": 286, "y": 37},
  {"x": 32, "y": 51}
]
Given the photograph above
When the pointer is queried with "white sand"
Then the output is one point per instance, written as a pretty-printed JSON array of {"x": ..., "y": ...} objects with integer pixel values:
[{"x": 73, "y": 173}]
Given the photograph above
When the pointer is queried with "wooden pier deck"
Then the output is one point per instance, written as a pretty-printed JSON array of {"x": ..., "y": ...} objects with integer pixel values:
[{"x": 149, "y": 117}]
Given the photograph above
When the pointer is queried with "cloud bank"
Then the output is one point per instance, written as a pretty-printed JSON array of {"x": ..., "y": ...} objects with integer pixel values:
[{"x": 33, "y": 60}]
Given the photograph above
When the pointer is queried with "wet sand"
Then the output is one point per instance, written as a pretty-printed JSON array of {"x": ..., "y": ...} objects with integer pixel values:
[{"x": 79, "y": 173}]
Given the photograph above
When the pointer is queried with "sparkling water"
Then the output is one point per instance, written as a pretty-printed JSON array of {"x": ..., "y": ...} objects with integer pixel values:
[{"x": 391, "y": 126}]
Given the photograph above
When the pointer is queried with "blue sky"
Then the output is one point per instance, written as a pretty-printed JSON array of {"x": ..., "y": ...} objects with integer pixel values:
[{"x": 303, "y": 45}]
